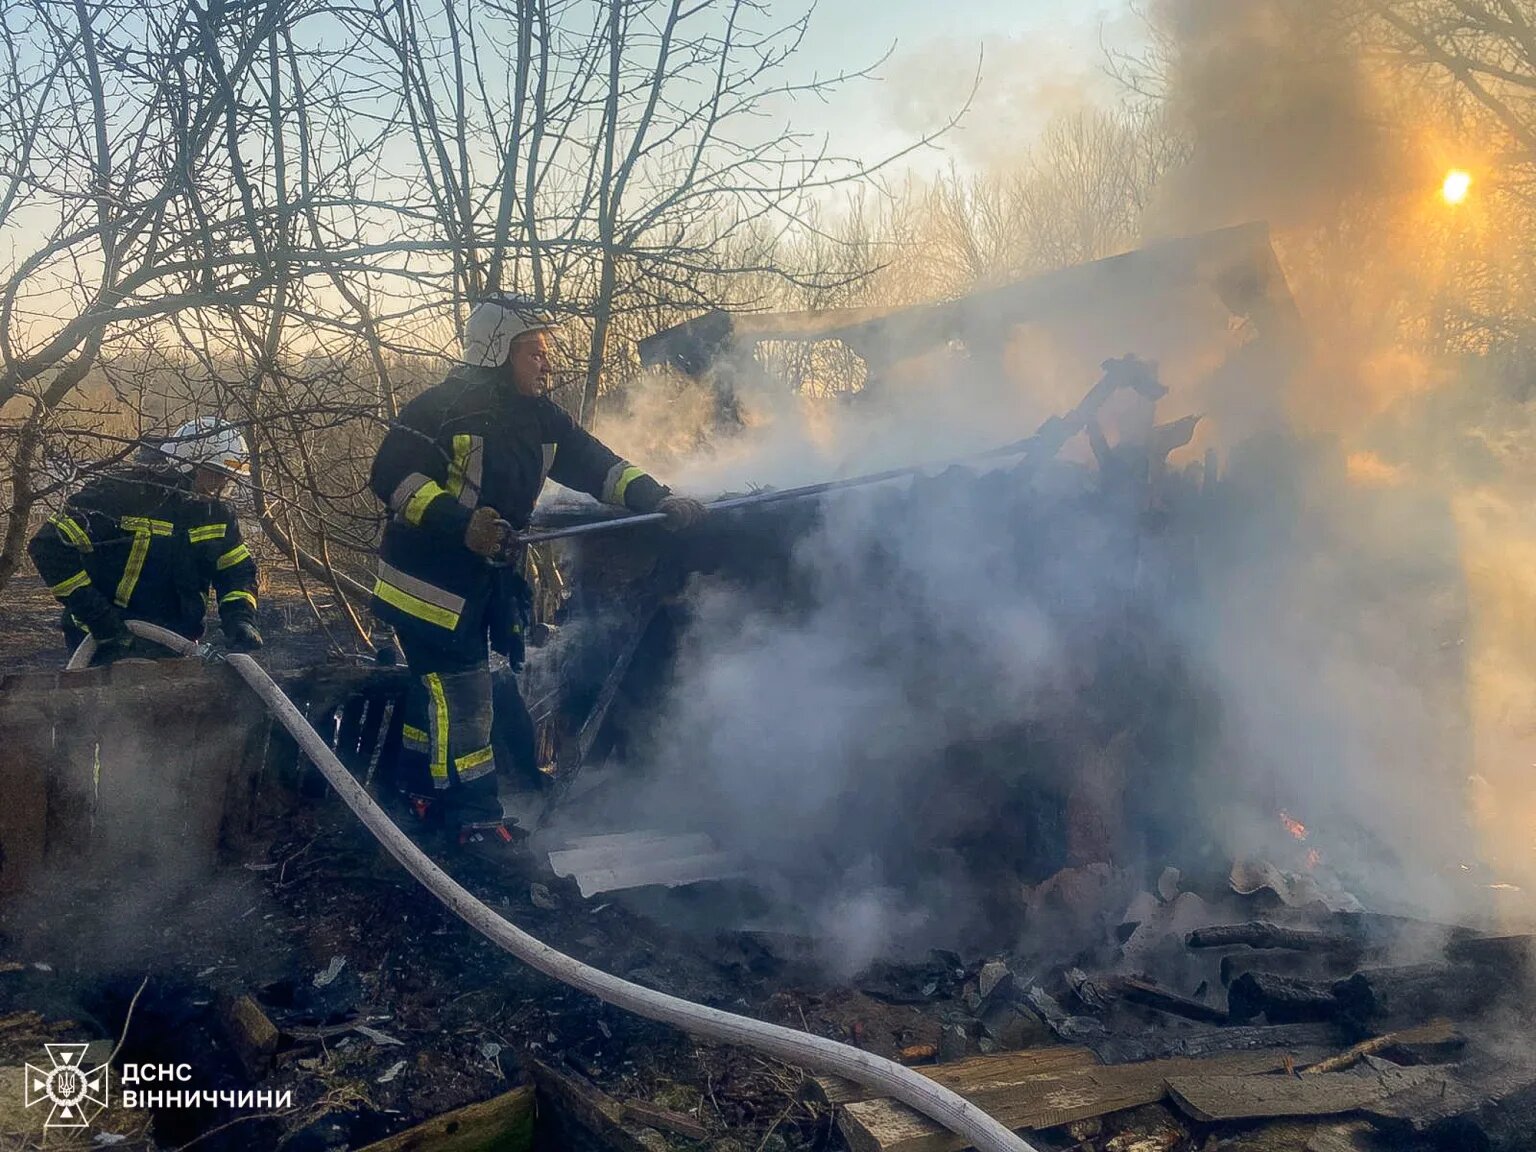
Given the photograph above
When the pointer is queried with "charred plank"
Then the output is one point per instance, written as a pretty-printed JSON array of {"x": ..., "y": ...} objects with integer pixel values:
[
  {"x": 1214, "y": 1099},
  {"x": 1194, "y": 1043}
]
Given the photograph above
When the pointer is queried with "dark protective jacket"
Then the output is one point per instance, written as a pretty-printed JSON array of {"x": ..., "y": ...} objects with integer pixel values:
[
  {"x": 140, "y": 540},
  {"x": 470, "y": 442}
]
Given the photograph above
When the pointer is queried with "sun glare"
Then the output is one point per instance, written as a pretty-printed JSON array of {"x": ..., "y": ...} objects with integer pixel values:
[{"x": 1457, "y": 184}]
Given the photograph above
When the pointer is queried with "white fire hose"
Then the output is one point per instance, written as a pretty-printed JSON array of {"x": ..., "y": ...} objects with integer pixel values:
[{"x": 885, "y": 1077}]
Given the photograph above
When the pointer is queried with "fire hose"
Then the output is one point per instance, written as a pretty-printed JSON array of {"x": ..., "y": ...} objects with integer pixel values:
[{"x": 803, "y": 1049}]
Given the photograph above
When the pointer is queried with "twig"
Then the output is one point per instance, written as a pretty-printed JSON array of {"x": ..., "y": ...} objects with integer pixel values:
[
  {"x": 198, "y": 1139},
  {"x": 1352, "y": 1056},
  {"x": 127, "y": 1020},
  {"x": 772, "y": 1128},
  {"x": 283, "y": 871}
]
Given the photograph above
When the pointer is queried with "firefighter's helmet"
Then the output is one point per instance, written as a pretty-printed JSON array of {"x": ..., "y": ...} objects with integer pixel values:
[
  {"x": 494, "y": 323},
  {"x": 208, "y": 442}
]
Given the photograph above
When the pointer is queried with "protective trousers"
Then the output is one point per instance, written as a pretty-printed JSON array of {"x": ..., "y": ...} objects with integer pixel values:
[{"x": 459, "y": 722}]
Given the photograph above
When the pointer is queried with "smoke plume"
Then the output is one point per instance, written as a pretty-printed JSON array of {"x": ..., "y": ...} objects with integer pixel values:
[{"x": 1307, "y": 670}]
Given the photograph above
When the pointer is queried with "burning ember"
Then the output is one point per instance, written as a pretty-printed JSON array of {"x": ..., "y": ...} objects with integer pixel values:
[
  {"x": 1292, "y": 825},
  {"x": 1299, "y": 831},
  {"x": 1457, "y": 184}
]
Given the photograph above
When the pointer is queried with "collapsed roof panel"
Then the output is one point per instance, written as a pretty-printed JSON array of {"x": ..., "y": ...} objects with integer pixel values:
[{"x": 1236, "y": 266}]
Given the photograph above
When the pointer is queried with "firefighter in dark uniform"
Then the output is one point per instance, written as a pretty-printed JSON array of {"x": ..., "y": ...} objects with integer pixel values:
[
  {"x": 147, "y": 540},
  {"x": 460, "y": 471}
]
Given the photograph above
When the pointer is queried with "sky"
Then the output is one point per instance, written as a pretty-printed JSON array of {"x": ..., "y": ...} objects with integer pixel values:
[{"x": 1036, "y": 57}]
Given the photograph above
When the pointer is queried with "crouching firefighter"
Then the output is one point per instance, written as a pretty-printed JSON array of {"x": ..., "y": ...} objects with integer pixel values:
[
  {"x": 145, "y": 541},
  {"x": 460, "y": 471}
]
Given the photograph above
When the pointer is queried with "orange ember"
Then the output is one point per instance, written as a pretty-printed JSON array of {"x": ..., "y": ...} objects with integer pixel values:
[{"x": 1295, "y": 827}]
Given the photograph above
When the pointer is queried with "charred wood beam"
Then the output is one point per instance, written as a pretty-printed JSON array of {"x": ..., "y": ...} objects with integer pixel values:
[
  {"x": 503, "y": 1122},
  {"x": 573, "y": 752},
  {"x": 1323, "y": 967},
  {"x": 1260, "y": 934},
  {"x": 1149, "y": 995},
  {"x": 1280, "y": 999},
  {"x": 1411, "y": 993},
  {"x": 1510, "y": 955}
]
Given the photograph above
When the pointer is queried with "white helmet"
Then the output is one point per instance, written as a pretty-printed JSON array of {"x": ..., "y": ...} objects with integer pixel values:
[
  {"x": 208, "y": 442},
  {"x": 494, "y": 323}
]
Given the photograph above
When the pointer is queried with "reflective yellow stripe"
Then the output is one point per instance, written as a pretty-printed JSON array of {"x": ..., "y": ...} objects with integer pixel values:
[
  {"x": 458, "y": 465},
  {"x": 143, "y": 529},
  {"x": 474, "y": 760},
  {"x": 236, "y": 554},
  {"x": 64, "y": 587},
  {"x": 146, "y": 525},
  {"x": 418, "y": 598},
  {"x": 414, "y": 737},
  {"x": 133, "y": 569},
  {"x": 207, "y": 532},
  {"x": 73, "y": 534},
  {"x": 414, "y": 606},
  {"x": 416, "y": 507},
  {"x": 618, "y": 480},
  {"x": 238, "y": 594},
  {"x": 630, "y": 474},
  {"x": 439, "y": 730},
  {"x": 465, "y": 469}
]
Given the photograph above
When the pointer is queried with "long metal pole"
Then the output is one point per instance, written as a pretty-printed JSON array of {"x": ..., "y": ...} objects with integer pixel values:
[{"x": 1126, "y": 373}]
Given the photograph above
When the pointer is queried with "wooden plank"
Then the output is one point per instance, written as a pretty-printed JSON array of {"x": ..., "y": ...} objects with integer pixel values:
[
  {"x": 1050, "y": 1100},
  {"x": 501, "y": 1124},
  {"x": 1213, "y": 1099},
  {"x": 648, "y": 1115},
  {"x": 966, "y": 1076},
  {"x": 74, "y": 801},
  {"x": 1488, "y": 1102},
  {"x": 585, "y": 1116},
  {"x": 27, "y": 746},
  {"x": 252, "y": 1034}
]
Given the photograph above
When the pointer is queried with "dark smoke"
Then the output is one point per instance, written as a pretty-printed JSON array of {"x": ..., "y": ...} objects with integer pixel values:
[{"x": 1283, "y": 113}]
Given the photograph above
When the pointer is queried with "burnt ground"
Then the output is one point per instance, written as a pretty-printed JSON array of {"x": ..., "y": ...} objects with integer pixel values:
[
  {"x": 461, "y": 1017},
  {"x": 153, "y": 960}
]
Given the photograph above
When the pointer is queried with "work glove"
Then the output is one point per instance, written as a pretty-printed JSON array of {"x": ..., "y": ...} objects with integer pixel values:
[
  {"x": 242, "y": 635},
  {"x": 488, "y": 535},
  {"x": 115, "y": 648},
  {"x": 681, "y": 512},
  {"x": 113, "y": 640}
]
